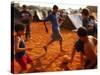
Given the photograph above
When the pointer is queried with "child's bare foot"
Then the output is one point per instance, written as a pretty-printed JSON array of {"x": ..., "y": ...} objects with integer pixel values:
[{"x": 45, "y": 48}]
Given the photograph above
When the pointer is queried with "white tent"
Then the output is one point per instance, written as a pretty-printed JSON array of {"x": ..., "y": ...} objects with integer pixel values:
[
  {"x": 38, "y": 15},
  {"x": 76, "y": 20},
  {"x": 72, "y": 21}
]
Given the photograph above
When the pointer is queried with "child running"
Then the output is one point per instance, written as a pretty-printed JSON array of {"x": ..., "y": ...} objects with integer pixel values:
[
  {"x": 86, "y": 45},
  {"x": 20, "y": 48},
  {"x": 56, "y": 35}
]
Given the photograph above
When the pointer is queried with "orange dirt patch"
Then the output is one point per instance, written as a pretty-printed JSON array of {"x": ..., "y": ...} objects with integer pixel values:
[{"x": 53, "y": 59}]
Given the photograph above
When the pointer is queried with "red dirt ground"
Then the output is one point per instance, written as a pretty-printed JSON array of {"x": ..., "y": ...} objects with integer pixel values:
[{"x": 53, "y": 59}]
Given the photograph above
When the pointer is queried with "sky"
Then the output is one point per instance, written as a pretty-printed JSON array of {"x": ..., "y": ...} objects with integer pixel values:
[{"x": 62, "y": 4}]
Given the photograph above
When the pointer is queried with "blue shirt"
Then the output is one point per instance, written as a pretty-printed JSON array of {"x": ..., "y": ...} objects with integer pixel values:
[{"x": 54, "y": 20}]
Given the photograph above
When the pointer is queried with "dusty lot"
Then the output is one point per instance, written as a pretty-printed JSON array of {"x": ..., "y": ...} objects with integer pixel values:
[{"x": 53, "y": 59}]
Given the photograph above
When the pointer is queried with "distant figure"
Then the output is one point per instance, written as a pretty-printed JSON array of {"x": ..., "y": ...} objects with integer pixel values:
[
  {"x": 85, "y": 15},
  {"x": 35, "y": 17},
  {"x": 26, "y": 20},
  {"x": 88, "y": 22},
  {"x": 56, "y": 35},
  {"x": 93, "y": 25},
  {"x": 16, "y": 15},
  {"x": 20, "y": 48},
  {"x": 49, "y": 12},
  {"x": 44, "y": 14},
  {"x": 86, "y": 45},
  {"x": 61, "y": 17}
]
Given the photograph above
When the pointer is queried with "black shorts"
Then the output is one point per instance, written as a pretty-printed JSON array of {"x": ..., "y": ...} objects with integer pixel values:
[{"x": 92, "y": 67}]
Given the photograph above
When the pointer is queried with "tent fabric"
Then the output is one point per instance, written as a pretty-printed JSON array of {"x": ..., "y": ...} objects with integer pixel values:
[
  {"x": 72, "y": 21},
  {"x": 38, "y": 16}
]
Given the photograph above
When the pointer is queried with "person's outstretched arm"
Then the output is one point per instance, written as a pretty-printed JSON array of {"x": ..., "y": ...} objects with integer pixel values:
[
  {"x": 45, "y": 20},
  {"x": 46, "y": 29}
]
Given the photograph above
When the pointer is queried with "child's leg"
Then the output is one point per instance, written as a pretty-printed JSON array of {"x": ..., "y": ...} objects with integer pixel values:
[
  {"x": 60, "y": 43},
  {"x": 50, "y": 42},
  {"x": 23, "y": 63},
  {"x": 28, "y": 34},
  {"x": 27, "y": 31},
  {"x": 29, "y": 59}
]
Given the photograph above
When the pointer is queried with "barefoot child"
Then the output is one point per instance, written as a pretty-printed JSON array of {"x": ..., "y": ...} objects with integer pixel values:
[
  {"x": 20, "y": 48},
  {"x": 56, "y": 35},
  {"x": 86, "y": 45}
]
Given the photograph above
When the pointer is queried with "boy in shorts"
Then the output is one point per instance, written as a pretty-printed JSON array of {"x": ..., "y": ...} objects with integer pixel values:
[
  {"x": 56, "y": 35},
  {"x": 20, "y": 48}
]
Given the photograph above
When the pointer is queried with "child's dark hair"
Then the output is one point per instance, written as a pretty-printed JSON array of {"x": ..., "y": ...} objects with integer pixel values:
[
  {"x": 19, "y": 27},
  {"x": 82, "y": 31},
  {"x": 85, "y": 12},
  {"x": 55, "y": 7},
  {"x": 92, "y": 17},
  {"x": 24, "y": 6}
]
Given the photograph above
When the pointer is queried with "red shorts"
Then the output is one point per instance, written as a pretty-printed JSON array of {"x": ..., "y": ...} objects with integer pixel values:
[{"x": 23, "y": 61}]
